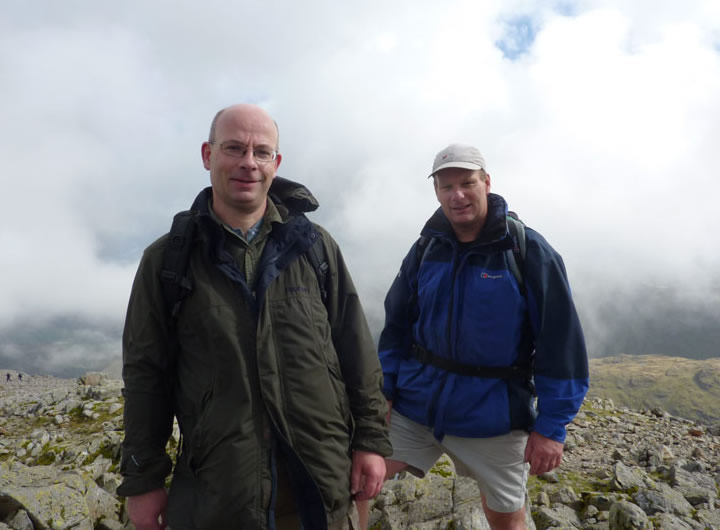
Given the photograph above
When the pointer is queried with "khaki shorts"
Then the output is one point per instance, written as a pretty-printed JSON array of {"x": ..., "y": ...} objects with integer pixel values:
[{"x": 497, "y": 463}]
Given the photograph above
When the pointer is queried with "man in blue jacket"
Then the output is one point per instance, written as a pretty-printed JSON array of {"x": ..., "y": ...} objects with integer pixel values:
[{"x": 468, "y": 344}]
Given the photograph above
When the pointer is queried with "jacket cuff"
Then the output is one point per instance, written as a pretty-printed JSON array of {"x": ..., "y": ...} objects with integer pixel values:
[
  {"x": 141, "y": 475},
  {"x": 550, "y": 429},
  {"x": 132, "y": 486},
  {"x": 389, "y": 386},
  {"x": 379, "y": 445}
]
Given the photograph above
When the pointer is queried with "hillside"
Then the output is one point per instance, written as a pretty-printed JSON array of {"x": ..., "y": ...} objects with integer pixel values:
[
  {"x": 684, "y": 387},
  {"x": 60, "y": 447}
]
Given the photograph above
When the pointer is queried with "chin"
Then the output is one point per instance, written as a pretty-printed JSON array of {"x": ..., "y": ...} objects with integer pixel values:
[{"x": 463, "y": 220}]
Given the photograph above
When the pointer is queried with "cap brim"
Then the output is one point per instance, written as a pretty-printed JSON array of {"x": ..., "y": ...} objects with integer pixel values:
[{"x": 461, "y": 165}]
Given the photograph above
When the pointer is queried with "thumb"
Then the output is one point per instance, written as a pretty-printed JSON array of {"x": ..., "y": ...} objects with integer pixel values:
[
  {"x": 528, "y": 450},
  {"x": 355, "y": 477}
]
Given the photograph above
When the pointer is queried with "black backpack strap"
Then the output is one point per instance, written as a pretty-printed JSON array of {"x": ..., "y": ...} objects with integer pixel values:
[
  {"x": 522, "y": 369},
  {"x": 318, "y": 260},
  {"x": 176, "y": 285},
  {"x": 175, "y": 281},
  {"x": 516, "y": 255},
  {"x": 516, "y": 260},
  {"x": 516, "y": 371},
  {"x": 422, "y": 244}
]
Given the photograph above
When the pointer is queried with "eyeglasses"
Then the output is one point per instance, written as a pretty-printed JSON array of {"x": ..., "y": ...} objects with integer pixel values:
[{"x": 237, "y": 150}]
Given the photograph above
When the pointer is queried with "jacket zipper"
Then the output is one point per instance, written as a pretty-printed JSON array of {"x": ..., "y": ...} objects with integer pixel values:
[{"x": 448, "y": 333}]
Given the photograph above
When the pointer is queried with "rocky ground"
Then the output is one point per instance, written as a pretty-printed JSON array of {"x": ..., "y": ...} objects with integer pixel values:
[
  {"x": 59, "y": 452},
  {"x": 60, "y": 448}
]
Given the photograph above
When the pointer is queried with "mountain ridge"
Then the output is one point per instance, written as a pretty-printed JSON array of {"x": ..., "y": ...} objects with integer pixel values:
[{"x": 688, "y": 388}]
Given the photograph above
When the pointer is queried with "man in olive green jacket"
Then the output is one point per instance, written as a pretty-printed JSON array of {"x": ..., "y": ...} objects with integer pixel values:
[{"x": 277, "y": 389}]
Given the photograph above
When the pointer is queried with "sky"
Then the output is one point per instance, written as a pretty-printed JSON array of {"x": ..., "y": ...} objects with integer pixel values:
[{"x": 599, "y": 122}]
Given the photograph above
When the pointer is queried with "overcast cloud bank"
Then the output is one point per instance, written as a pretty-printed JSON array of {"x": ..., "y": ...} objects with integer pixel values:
[{"x": 599, "y": 122}]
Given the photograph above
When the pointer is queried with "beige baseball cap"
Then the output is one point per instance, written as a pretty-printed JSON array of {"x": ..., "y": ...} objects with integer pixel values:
[{"x": 458, "y": 155}]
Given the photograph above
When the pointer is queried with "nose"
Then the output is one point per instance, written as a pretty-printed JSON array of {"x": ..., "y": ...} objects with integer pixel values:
[
  {"x": 457, "y": 194},
  {"x": 248, "y": 160}
]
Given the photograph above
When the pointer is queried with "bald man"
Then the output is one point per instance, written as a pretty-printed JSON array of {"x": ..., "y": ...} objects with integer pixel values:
[{"x": 273, "y": 377}]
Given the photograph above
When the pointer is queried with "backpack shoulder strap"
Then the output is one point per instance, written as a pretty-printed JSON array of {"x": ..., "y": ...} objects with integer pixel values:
[
  {"x": 318, "y": 259},
  {"x": 421, "y": 247},
  {"x": 423, "y": 244},
  {"x": 176, "y": 285},
  {"x": 175, "y": 281},
  {"x": 516, "y": 255}
]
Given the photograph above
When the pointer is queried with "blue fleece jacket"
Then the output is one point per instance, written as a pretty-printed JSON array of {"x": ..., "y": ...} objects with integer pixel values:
[{"x": 471, "y": 309}]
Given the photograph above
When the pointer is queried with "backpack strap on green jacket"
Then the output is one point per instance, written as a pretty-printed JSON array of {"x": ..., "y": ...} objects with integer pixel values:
[
  {"x": 318, "y": 260},
  {"x": 176, "y": 283}
]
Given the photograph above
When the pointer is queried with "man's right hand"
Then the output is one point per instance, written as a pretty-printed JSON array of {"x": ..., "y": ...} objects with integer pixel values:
[{"x": 145, "y": 509}]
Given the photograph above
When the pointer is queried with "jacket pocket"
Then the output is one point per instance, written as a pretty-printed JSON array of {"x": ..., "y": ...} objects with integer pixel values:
[{"x": 197, "y": 445}]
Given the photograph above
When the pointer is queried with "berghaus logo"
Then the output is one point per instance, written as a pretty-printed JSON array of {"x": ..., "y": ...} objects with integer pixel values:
[{"x": 486, "y": 276}]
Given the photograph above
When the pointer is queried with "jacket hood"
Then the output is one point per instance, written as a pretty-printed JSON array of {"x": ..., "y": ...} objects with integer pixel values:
[{"x": 294, "y": 197}]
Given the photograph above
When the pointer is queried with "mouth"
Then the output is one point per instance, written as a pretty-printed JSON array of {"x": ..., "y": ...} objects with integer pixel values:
[{"x": 244, "y": 180}]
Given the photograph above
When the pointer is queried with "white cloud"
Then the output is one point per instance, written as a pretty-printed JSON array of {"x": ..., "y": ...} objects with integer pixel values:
[{"x": 599, "y": 126}]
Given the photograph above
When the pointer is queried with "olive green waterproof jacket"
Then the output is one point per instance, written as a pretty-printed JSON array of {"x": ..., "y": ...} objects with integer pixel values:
[{"x": 261, "y": 370}]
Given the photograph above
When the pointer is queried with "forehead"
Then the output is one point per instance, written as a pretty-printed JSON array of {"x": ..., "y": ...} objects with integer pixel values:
[
  {"x": 451, "y": 174},
  {"x": 245, "y": 126}
]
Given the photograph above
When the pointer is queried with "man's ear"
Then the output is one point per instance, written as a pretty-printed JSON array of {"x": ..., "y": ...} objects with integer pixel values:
[
  {"x": 205, "y": 151},
  {"x": 435, "y": 187}
]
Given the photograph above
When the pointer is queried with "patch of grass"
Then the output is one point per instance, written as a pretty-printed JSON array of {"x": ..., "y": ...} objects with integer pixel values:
[
  {"x": 598, "y": 415},
  {"x": 105, "y": 450},
  {"x": 442, "y": 468},
  {"x": 82, "y": 424},
  {"x": 39, "y": 422},
  {"x": 45, "y": 459},
  {"x": 579, "y": 482},
  {"x": 535, "y": 486},
  {"x": 76, "y": 415}
]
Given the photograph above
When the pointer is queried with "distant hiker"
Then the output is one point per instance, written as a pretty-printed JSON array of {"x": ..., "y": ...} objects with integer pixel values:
[
  {"x": 20, "y": 377},
  {"x": 479, "y": 318},
  {"x": 7, "y": 377},
  {"x": 244, "y": 323}
]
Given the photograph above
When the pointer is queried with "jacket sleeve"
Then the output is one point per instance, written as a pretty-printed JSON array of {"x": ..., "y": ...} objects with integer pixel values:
[
  {"x": 400, "y": 316},
  {"x": 561, "y": 363},
  {"x": 148, "y": 412},
  {"x": 358, "y": 358}
]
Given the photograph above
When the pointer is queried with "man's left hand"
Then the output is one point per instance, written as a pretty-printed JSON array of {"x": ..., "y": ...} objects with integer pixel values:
[
  {"x": 543, "y": 453},
  {"x": 367, "y": 475}
]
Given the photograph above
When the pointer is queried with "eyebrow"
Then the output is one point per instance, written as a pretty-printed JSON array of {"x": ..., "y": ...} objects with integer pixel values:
[{"x": 243, "y": 144}]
